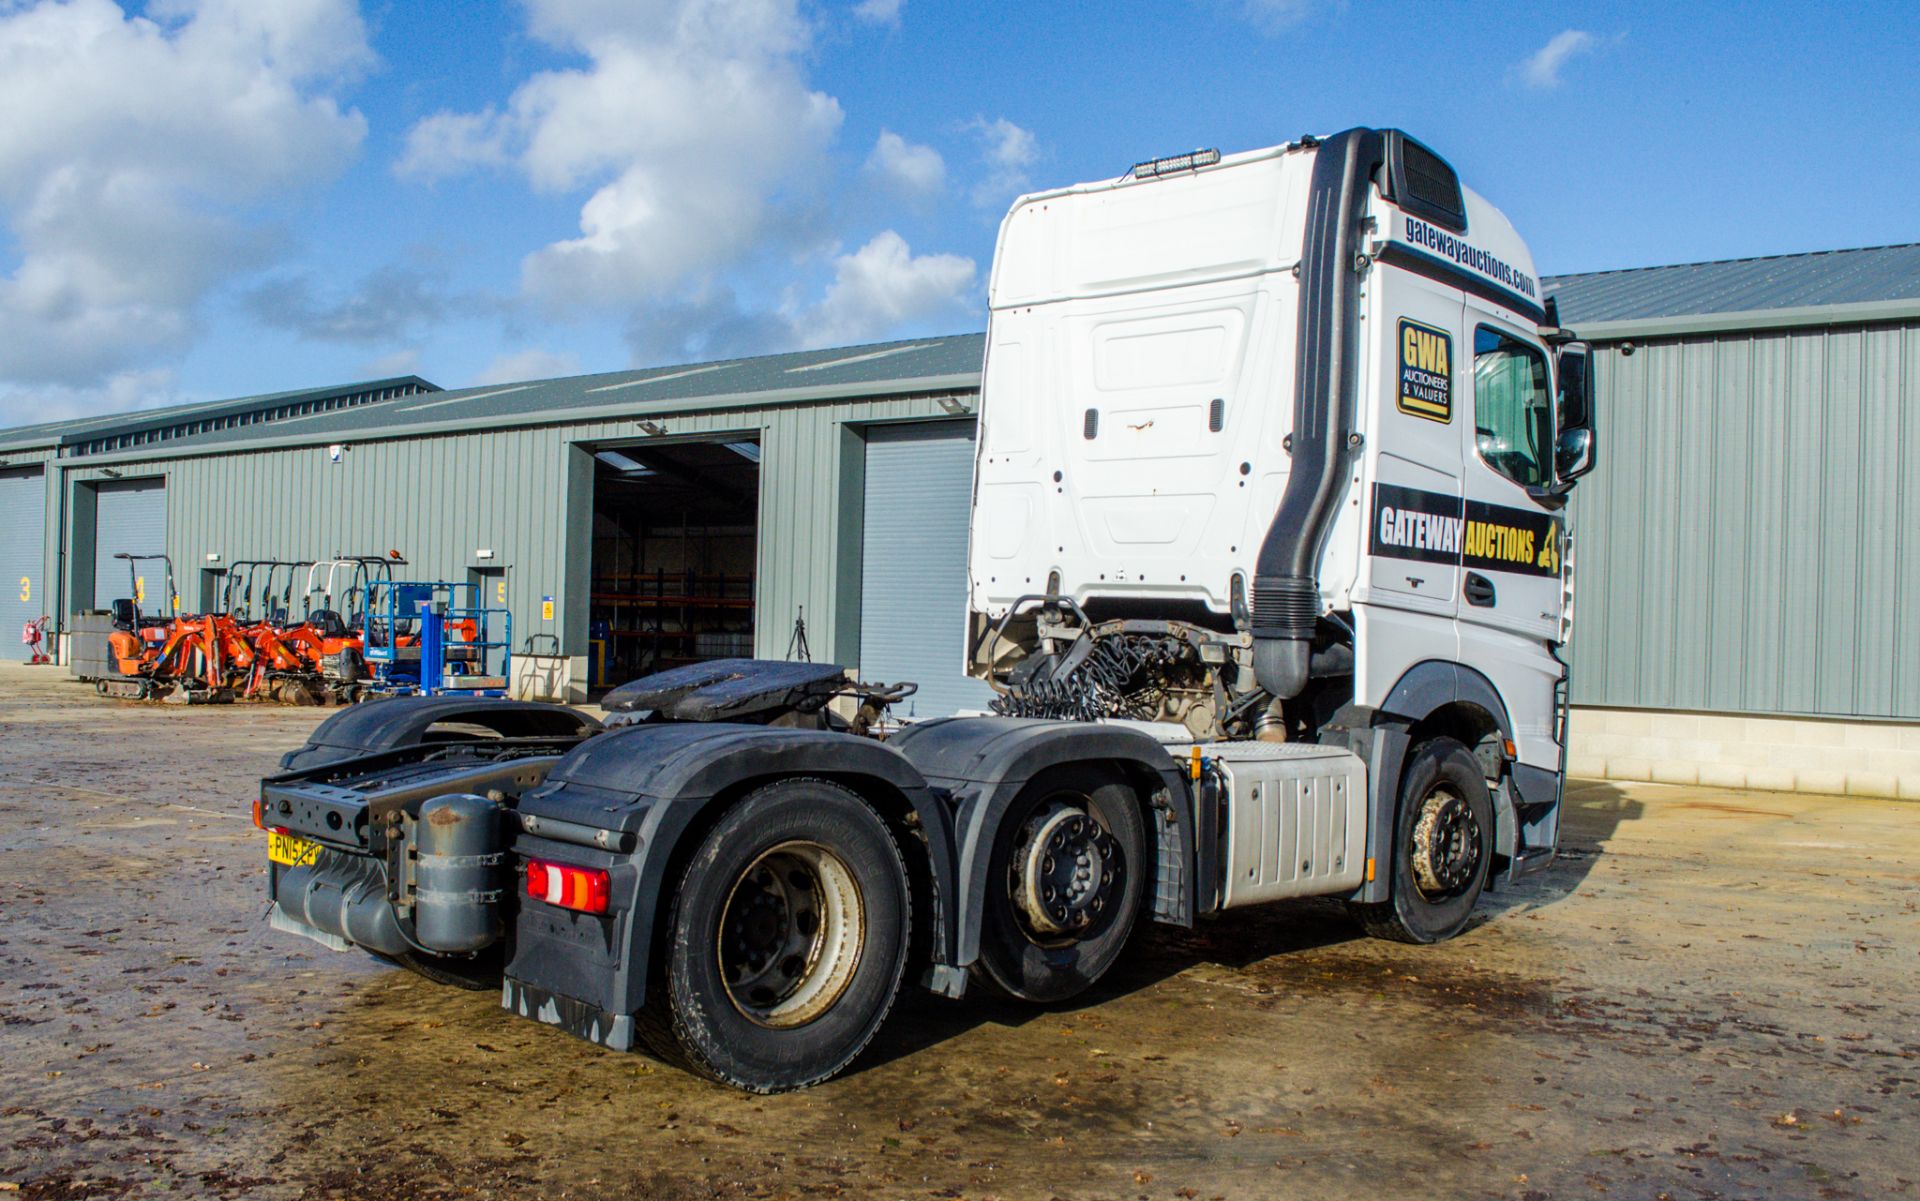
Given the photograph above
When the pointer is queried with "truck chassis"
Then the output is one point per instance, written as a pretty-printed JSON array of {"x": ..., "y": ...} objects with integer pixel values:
[{"x": 729, "y": 876}]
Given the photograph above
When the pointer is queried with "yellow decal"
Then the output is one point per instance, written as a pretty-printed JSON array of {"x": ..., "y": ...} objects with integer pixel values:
[
  {"x": 1503, "y": 543},
  {"x": 500, "y": 591},
  {"x": 26, "y": 588},
  {"x": 1549, "y": 560},
  {"x": 139, "y": 590},
  {"x": 1426, "y": 371},
  {"x": 546, "y": 609}
]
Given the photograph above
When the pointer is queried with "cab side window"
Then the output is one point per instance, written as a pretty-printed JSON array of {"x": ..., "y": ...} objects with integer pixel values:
[{"x": 1512, "y": 408}]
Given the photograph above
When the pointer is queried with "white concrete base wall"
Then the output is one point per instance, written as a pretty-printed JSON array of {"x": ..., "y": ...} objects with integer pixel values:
[{"x": 1780, "y": 754}]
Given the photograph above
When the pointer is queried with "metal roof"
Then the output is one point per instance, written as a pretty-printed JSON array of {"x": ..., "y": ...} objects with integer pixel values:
[
  {"x": 79, "y": 430},
  {"x": 1871, "y": 275},
  {"x": 881, "y": 369}
]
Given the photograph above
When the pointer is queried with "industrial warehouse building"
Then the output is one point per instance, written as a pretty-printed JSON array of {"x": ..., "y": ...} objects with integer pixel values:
[{"x": 1747, "y": 554}]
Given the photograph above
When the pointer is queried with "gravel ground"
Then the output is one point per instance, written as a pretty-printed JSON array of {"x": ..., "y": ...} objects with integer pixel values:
[{"x": 1710, "y": 995}]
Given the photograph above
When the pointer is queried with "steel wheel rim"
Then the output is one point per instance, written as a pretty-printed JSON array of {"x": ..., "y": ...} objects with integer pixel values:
[
  {"x": 1446, "y": 845},
  {"x": 791, "y": 935},
  {"x": 1065, "y": 872}
]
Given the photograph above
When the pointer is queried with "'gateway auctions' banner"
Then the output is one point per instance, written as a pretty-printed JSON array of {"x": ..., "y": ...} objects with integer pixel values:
[{"x": 1431, "y": 527}]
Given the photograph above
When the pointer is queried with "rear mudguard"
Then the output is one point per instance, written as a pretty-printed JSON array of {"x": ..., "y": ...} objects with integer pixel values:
[
  {"x": 395, "y": 722},
  {"x": 982, "y": 763},
  {"x": 655, "y": 787}
]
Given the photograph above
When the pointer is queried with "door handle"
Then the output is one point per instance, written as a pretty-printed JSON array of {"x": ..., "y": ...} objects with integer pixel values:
[{"x": 1479, "y": 590}]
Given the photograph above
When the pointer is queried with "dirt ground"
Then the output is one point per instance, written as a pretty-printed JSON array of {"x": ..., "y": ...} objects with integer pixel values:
[{"x": 1711, "y": 995}]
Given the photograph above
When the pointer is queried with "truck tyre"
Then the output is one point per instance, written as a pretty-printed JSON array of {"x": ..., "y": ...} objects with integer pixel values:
[
  {"x": 1064, "y": 883},
  {"x": 1442, "y": 847},
  {"x": 785, "y": 943}
]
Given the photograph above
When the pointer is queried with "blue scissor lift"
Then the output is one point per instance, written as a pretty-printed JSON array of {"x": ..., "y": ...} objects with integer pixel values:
[{"x": 417, "y": 641}]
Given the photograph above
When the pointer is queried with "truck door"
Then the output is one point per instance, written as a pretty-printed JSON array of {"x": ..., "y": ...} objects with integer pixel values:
[
  {"x": 1413, "y": 523},
  {"x": 1511, "y": 544}
]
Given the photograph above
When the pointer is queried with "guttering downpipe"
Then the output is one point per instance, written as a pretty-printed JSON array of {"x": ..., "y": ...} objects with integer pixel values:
[{"x": 1286, "y": 585}]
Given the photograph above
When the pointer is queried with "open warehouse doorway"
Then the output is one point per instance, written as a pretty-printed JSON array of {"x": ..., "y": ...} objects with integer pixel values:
[{"x": 675, "y": 540}]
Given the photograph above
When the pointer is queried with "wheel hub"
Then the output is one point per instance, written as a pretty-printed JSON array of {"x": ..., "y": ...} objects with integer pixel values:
[
  {"x": 1067, "y": 872},
  {"x": 790, "y": 935},
  {"x": 1446, "y": 844}
]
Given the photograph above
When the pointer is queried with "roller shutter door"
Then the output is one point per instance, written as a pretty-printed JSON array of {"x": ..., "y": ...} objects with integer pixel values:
[
  {"x": 131, "y": 518},
  {"x": 23, "y": 522},
  {"x": 913, "y": 587}
]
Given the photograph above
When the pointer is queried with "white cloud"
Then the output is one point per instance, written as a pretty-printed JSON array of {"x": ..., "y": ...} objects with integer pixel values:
[
  {"x": 449, "y": 143},
  {"x": 908, "y": 168},
  {"x": 129, "y": 143},
  {"x": 1542, "y": 68},
  {"x": 1275, "y": 16},
  {"x": 121, "y": 392},
  {"x": 390, "y": 303},
  {"x": 877, "y": 291},
  {"x": 523, "y": 365},
  {"x": 1007, "y": 151},
  {"x": 405, "y": 361},
  {"x": 692, "y": 122},
  {"x": 884, "y": 285},
  {"x": 879, "y": 12}
]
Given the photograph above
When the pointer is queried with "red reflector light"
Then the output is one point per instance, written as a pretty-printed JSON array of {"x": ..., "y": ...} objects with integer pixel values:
[{"x": 580, "y": 888}]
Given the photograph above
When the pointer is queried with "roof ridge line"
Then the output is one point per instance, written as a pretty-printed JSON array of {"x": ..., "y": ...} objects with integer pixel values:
[{"x": 1752, "y": 258}]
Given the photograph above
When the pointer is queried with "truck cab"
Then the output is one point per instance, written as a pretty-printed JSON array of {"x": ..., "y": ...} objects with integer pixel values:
[{"x": 1305, "y": 411}]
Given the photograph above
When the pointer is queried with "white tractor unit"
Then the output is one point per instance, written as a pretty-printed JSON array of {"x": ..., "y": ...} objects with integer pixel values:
[{"x": 1269, "y": 572}]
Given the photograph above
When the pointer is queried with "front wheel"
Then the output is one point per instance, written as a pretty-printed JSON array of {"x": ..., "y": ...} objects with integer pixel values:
[
  {"x": 786, "y": 941},
  {"x": 1443, "y": 847}
]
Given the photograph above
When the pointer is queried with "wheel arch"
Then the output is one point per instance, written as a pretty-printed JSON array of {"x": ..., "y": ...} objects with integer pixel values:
[
  {"x": 1443, "y": 695},
  {"x": 1436, "y": 699},
  {"x": 674, "y": 782},
  {"x": 395, "y": 722},
  {"x": 983, "y": 764},
  {"x": 929, "y": 872}
]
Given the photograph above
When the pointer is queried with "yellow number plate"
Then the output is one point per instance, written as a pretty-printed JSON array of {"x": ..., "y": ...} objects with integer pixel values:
[{"x": 294, "y": 852}]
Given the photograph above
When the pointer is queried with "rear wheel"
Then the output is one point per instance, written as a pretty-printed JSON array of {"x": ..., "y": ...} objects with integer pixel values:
[
  {"x": 786, "y": 941},
  {"x": 1443, "y": 847},
  {"x": 1064, "y": 883}
]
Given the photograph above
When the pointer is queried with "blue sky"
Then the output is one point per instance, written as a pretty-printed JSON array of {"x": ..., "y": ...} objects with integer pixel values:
[{"x": 204, "y": 198}]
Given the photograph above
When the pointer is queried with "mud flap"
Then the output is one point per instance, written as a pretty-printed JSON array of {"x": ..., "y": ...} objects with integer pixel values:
[
  {"x": 1384, "y": 750},
  {"x": 613, "y": 1031}
]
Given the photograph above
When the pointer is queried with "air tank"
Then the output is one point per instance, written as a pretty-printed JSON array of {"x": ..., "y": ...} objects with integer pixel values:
[{"x": 458, "y": 873}]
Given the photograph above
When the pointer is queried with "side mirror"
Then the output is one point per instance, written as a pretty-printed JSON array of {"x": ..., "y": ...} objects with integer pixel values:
[
  {"x": 1575, "y": 448},
  {"x": 1573, "y": 454}
]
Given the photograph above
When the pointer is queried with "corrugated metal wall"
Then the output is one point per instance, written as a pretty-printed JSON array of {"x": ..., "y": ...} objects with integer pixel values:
[
  {"x": 1751, "y": 539},
  {"x": 437, "y": 500},
  {"x": 23, "y": 585},
  {"x": 913, "y": 579}
]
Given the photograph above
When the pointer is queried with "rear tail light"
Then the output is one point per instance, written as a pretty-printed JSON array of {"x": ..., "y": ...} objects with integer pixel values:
[
  {"x": 584, "y": 889},
  {"x": 259, "y": 813}
]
